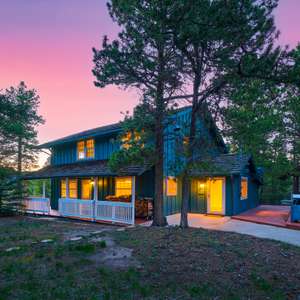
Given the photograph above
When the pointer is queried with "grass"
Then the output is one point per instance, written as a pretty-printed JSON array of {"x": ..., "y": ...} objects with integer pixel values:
[{"x": 174, "y": 264}]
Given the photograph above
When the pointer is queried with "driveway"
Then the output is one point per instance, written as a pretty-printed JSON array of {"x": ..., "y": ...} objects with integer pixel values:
[{"x": 289, "y": 236}]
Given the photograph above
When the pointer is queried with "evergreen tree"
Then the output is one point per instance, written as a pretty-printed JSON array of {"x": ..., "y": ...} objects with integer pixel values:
[
  {"x": 19, "y": 119},
  {"x": 143, "y": 58},
  {"x": 223, "y": 43}
]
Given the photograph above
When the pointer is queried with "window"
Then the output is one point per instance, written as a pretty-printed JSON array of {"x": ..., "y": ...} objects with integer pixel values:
[
  {"x": 244, "y": 188},
  {"x": 171, "y": 186},
  {"x": 86, "y": 189},
  {"x": 86, "y": 149},
  {"x": 123, "y": 186},
  {"x": 72, "y": 188},
  {"x": 130, "y": 137},
  {"x": 63, "y": 189},
  {"x": 80, "y": 150},
  {"x": 90, "y": 148}
]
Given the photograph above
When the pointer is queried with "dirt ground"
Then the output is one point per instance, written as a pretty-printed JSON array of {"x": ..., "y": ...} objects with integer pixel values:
[{"x": 44, "y": 258}]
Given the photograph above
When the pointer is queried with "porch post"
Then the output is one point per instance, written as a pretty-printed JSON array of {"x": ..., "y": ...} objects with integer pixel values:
[
  {"x": 95, "y": 197},
  {"x": 133, "y": 199},
  {"x": 67, "y": 188},
  {"x": 95, "y": 188},
  {"x": 44, "y": 189}
]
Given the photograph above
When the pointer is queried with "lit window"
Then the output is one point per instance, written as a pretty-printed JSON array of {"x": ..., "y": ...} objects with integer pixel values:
[
  {"x": 90, "y": 148},
  {"x": 186, "y": 140},
  {"x": 86, "y": 149},
  {"x": 126, "y": 140},
  {"x": 171, "y": 186},
  {"x": 123, "y": 186},
  {"x": 128, "y": 137},
  {"x": 73, "y": 188},
  {"x": 86, "y": 189},
  {"x": 80, "y": 150},
  {"x": 244, "y": 188},
  {"x": 63, "y": 189}
]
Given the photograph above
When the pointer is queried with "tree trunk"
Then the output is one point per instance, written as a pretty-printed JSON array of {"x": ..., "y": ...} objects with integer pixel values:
[
  {"x": 159, "y": 218},
  {"x": 186, "y": 182},
  {"x": 19, "y": 158},
  {"x": 185, "y": 201}
]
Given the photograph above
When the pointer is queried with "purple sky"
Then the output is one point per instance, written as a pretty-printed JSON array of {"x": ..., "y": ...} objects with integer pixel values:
[{"x": 48, "y": 45}]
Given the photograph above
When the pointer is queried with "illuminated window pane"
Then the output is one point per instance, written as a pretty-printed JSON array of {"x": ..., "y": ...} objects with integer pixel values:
[
  {"x": 123, "y": 186},
  {"x": 244, "y": 188},
  {"x": 63, "y": 189},
  {"x": 171, "y": 186},
  {"x": 126, "y": 140},
  {"x": 80, "y": 150},
  {"x": 86, "y": 189},
  {"x": 73, "y": 188},
  {"x": 129, "y": 137},
  {"x": 90, "y": 148}
]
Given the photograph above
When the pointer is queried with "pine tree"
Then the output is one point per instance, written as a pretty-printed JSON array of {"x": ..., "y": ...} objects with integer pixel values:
[
  {"x": 143, "y": 57},
  {"x": 19, "y": 119}
]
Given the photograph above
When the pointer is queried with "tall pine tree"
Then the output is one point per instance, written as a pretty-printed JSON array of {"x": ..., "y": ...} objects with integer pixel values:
[{"x": 143, "y": 57}]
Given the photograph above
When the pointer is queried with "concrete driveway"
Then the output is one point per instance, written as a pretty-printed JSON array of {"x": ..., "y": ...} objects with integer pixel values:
[{"x": 289, "y": 236}]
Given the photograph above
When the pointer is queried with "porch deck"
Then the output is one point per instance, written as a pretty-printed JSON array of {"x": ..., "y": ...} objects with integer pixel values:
[{"x": 275, "y": 215}]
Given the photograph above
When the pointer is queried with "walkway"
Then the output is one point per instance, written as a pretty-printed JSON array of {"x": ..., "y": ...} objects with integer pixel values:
[
  {"x": 289, "y": 236},
  {"x": 275, "y": 215}
]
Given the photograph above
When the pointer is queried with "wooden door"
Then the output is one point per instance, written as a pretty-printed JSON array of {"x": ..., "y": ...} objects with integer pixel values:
[{"x": 216, "y": 196}]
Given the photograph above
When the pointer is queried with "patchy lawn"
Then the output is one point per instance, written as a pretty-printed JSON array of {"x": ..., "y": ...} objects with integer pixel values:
[{"x": 88, "y": 261}]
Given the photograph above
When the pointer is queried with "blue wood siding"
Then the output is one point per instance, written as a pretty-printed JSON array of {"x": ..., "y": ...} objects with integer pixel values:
[
  {"x": 67, "y": 153},
  {"x": 177, "y": 129},
  {"x": 172, "y": 204},
  {"x": 241, "y": 205},
  {"x": 198, "y": 198}
]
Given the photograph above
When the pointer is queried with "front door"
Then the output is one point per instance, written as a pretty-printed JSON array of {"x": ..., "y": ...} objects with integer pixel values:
[{"x": 216, "y": 196}]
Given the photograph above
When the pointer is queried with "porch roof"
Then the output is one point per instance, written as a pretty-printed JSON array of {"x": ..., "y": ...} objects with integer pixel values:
[
  {"x": 224, "y": 164},
  {"x": 83, "y": 169}
]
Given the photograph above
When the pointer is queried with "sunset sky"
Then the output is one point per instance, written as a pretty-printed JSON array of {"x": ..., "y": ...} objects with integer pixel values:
[{"x": 47, "y": 44}]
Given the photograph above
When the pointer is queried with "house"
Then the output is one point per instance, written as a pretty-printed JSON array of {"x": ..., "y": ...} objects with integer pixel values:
[{"x": 83, "y": 186}]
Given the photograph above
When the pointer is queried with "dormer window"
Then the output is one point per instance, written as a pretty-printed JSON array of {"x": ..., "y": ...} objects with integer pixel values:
[{"x": 86, "y": 149}]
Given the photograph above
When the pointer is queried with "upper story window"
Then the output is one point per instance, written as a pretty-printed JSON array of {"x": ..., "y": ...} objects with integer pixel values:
[
  {"x": 244, "y": 188},
  {"x": 130, "y": 137},
  {"x": 86, "y": 149}
]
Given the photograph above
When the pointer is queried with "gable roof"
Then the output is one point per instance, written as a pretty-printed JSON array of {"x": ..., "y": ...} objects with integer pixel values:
[
  {"x": 86, "y": 169},
  {"x": 99, "y": 131},
  {"x": 223, "y": 164},
  {"x": 116, "y": 128}
]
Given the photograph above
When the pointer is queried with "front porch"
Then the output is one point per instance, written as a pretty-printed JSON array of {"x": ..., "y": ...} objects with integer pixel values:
[
  {"x": 97, "y": 199},
  {"x": 117, "y": 208}
]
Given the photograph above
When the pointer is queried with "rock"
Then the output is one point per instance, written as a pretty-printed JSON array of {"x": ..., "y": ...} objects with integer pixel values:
[
  {"x": 76, "y": 238},
  {"x": 97, "y": 232},
  {"x": 121, "y": 229},
  {"x": 12, "y": 249},
  {"x": 47, "y": 241}
]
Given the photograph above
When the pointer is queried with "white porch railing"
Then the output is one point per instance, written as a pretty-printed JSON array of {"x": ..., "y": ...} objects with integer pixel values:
[
  {"x": 76, "y": 208},
  {"x": 37, "y": 204},
  {"x": 120, "y": 212}
]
